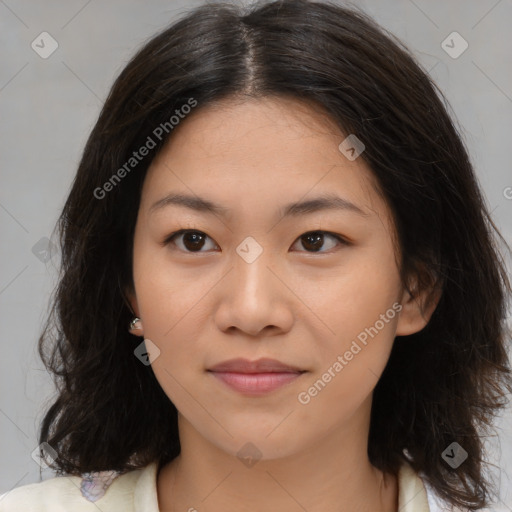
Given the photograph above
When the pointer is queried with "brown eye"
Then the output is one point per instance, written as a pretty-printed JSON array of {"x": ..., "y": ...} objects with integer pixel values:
[
  {"x": 194, "y": 241},
  {"x": 314, "y": 241},
  {"x": 189, "y": 241}
]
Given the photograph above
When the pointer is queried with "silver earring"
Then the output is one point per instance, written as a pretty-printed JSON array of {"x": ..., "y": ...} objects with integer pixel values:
[{"x": 133, "y": 324}]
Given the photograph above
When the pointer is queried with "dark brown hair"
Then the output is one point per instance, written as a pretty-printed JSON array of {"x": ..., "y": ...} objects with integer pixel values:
[{"x": 440, "y": 385}]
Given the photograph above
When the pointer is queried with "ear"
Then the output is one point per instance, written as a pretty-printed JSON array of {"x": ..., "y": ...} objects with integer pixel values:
[{"x": 418, "y": 303}]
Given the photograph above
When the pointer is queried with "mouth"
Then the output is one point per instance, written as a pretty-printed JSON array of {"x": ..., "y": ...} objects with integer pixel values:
[
  {"x": 255, "y": 378},
  {"x": 263, "y": 365}
]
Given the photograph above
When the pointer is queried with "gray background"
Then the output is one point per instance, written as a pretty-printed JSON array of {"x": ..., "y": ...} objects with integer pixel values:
[{"x": 48, "y": 107}]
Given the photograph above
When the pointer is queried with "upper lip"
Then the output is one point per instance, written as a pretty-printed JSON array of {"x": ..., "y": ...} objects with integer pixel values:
[{"x": 264, "y": 365}]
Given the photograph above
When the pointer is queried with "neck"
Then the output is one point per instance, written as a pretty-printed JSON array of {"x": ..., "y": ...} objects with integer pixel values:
[{"x": 332, "y": 475}]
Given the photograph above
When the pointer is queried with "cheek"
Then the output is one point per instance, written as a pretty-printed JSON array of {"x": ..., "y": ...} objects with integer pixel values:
[
  {"x": 351, "y": 298},
  {"x": 171, "y": 307},
  {"x": 168, "y": 295},
  {"x": 351, "y": 364},
  {"x": 360, "y": 307},
  {"x": 174, "y": 323}
]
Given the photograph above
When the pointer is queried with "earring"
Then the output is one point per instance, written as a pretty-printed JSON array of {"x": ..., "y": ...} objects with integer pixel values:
[{"x": 134, "y": 326}]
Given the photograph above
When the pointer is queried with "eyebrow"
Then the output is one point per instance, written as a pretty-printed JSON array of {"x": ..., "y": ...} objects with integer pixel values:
[{"x": 203, "y": 205}]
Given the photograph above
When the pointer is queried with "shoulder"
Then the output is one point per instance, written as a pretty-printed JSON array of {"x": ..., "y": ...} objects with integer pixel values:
[
  {"x": 65, "y": 493},
  {"x": 435, "y": 503},
  {"x": 416, "y": 495}
]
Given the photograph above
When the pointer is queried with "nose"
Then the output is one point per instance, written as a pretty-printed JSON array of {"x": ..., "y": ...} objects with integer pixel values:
[{"x": 254, "y": 299}]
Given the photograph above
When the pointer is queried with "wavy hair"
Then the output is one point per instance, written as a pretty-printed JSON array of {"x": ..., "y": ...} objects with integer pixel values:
[{"x": 442, "y": 384}]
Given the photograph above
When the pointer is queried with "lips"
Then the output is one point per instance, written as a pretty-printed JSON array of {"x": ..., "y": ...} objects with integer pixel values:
[
  {"x": 264, "y": 365},
  {"x": 254, "y": 378}
]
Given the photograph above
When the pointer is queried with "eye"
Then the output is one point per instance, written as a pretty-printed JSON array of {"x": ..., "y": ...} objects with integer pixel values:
[
  {"x": 188, "y": 240},
  {"x": 313, "y": 241}
]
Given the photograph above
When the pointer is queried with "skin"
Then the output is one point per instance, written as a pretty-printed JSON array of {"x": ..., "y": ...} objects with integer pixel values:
[{"x": 292, "y": 304}]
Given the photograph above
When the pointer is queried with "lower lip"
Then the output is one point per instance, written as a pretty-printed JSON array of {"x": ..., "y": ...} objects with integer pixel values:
[{"x": 256, "y": 383}]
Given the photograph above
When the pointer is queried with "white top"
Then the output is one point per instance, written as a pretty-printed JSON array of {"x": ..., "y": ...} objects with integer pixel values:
[{"x": 136, "y": 491}]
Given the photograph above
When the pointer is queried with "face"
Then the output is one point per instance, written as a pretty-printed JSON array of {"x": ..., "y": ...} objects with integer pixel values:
[{"x": 315, "y": 287}]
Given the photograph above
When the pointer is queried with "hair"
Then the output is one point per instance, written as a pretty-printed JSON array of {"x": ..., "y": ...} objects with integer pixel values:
[{"x": 442, "y": 384}]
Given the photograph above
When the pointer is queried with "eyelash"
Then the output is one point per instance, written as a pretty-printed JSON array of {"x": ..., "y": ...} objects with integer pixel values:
[{"x": 170, "y": 239}]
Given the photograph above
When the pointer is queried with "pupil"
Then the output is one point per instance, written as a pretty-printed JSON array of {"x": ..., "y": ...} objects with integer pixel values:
[
  {"x": 314, "y": 240},
  {"x": 195, "y": 239}
]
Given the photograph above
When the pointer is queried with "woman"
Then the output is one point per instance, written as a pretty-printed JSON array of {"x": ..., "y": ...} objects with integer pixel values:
[{"x": 280, "y": 288}]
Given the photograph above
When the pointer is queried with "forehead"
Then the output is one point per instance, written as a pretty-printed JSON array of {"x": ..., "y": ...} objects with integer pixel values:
[{"x": 271, "y": 150}]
